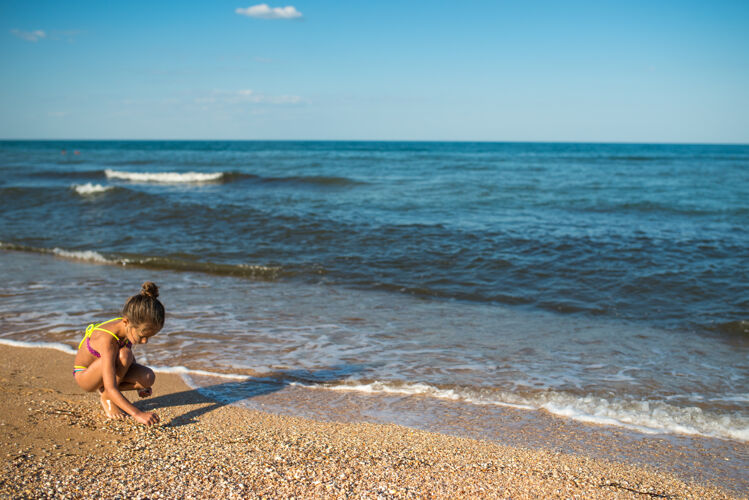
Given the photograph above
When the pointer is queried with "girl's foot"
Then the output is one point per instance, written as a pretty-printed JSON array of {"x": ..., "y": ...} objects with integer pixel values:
[
  {"x": 144, "y": 393},
  {"x": 111, "y": 409}
]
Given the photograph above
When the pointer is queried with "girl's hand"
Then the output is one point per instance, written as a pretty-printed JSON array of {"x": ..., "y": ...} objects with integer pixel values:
[
  {"x": 144, "y": 393},
  {"x": 146, "y": 418}
]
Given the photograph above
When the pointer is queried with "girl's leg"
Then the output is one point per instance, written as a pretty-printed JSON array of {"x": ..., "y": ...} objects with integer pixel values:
[
  {"x": 91, "y": 379},
  {"x": 139, "y": 378}
]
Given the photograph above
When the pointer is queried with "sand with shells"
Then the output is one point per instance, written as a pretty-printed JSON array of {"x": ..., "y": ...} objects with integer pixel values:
[{"x": 56, "y": 442}]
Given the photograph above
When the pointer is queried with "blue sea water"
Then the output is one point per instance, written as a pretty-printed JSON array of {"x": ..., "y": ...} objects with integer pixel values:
[{"x": 598, "y": 281}]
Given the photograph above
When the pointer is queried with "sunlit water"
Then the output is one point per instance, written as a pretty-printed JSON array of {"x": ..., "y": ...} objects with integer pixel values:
[{"x": 604, "y": 283}]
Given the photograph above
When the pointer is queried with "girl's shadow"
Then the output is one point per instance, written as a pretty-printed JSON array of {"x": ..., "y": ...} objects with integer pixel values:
[{"x": 215, "y": 396}]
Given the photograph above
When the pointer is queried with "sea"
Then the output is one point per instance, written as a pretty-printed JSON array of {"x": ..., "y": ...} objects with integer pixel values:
[{"x": 600, "y": 283}]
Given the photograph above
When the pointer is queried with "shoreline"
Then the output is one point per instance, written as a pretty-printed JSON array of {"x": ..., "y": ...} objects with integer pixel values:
[{"x": 56, "y": 441}]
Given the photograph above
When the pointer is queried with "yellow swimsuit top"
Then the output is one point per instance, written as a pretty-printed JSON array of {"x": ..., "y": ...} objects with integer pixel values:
[
  {"x": 89, "y": 330},
  {"x": 92, "y": 327}
]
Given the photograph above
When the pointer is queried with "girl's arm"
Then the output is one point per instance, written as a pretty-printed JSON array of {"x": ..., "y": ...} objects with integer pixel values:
[{"x": 109, "y": 379}]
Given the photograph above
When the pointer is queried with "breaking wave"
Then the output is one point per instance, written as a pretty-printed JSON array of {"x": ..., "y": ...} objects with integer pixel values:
[
  {"x": 89, "y": 189},
  {"x": 252, "y": 271},
  {"x": 165, "y": 177},
  {"x": 84, "y": 255}
]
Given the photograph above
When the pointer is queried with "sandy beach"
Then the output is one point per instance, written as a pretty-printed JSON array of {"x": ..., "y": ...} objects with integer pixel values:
[{"x": 57, "y": 442}]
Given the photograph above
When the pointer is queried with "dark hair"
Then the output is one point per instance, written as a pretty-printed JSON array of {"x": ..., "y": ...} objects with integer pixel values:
[{"x": 145, "y": 307}]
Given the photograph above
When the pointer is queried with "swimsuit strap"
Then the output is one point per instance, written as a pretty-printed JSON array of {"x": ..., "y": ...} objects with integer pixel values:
[{"x": 92, "y": 327}]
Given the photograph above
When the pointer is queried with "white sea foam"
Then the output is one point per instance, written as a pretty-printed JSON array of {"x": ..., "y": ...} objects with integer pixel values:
[
  {"x": 178, "y": 370},
  {"x": 164, "y": 177},
  {"x": 36, "y": 345},
  {"x": 89, "y": 189},
  {"x": 84, "y": 255},
  {"x": 416, "y": 389},
  {"x": 652, "y": 417},
  {"x": 182, "y": 370}
]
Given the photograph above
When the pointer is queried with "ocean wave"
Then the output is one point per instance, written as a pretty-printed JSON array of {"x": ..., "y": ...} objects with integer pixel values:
[
  {"x": 651, "y": 417},
  {"x": 80, "y": 255},
  {"x": 156, "y": 177},
  {"x": 252, "y": 271},
  {"x": 214, "y": 177},
  {"x": 89, "y": 189},
  {"x": 165, "y": 177},
  {"x": 84, "y": 255},
  {"x": 46, "y": 195}
]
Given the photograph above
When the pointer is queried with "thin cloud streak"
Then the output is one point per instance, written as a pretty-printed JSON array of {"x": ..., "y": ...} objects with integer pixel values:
[
  {"x": 246, "y": 96},
  {"x": 30, "y": 36}
]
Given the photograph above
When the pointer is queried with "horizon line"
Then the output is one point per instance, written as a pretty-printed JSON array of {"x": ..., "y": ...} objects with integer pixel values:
[{"x": 464, "y": 141}]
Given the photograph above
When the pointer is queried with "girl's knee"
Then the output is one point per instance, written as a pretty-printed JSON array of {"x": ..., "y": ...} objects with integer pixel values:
[
  {"x": 149, "y": 377},
  {"x": 125, "y": 357}
]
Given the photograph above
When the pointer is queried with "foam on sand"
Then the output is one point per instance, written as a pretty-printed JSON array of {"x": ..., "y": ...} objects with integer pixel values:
[
  {"x": 186, "y": 372},
  {"x": 36, "y": 345},
  {"x": 650, "y": 417}
]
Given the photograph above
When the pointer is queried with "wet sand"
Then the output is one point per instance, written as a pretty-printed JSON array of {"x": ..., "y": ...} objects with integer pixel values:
[
  {"x": 55, "y": 441},
  {"x": 689, "y": 457}
]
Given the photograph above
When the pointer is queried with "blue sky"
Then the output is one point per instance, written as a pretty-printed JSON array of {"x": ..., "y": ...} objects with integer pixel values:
[{"x": 651, "y": 71}]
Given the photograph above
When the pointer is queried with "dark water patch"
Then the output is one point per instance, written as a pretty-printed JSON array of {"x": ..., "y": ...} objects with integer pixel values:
[
  {"x": 638, "y": 158},
  {"x": 651, "y": 207},
  {"x": 315, "y": 180},
  {"x": 67, "y": 174},
  {"x": 293, "y": 180},
  {"x": 739, "y": 328},
  {"x": 31, "y": 196},
  {"x": 438, "y": 293},
  {"x": 71, "y": 161},
  {"x": 132, "y": 162},
  {"x": 250, "y": 271}
]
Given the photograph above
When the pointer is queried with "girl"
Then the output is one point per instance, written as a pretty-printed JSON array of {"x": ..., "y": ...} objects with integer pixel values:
[{"x": 106, "y": 360}]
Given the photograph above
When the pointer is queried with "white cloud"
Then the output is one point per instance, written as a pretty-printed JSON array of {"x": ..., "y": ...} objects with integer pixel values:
[
  {"x": 30, "y": 36},
  {"x": 246, "y": 96},
  {"x": 264, "y": 11}
]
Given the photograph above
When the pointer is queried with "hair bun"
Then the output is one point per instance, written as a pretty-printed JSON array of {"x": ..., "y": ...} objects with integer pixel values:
[{"x": 149, "y": 289}]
